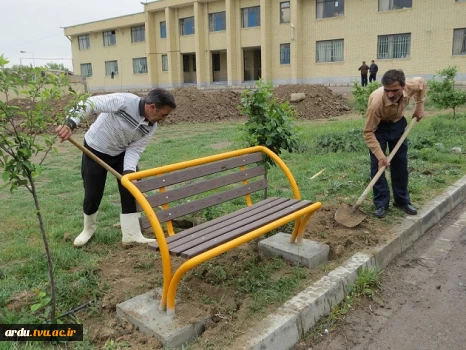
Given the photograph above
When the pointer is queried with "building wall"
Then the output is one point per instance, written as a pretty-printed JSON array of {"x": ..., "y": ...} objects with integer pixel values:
[{"x": 430, "y": 25}]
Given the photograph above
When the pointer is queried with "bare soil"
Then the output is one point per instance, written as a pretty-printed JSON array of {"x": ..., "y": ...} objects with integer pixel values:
[{"x": 126, "y": 273}]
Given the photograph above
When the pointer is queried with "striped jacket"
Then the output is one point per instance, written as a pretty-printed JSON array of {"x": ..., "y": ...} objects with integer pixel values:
[{"x": 120, "y": 127}]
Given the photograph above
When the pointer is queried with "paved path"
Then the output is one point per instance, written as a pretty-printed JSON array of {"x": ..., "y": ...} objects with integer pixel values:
[{"x": 422, "y": 305}]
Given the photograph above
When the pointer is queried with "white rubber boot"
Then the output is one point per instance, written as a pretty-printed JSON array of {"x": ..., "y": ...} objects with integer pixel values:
[
  {"x": 131, "y": 230},
  {"x": 88, "y": 232}
]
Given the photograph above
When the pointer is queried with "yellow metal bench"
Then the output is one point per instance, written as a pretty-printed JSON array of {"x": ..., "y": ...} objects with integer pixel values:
[{"x": 175, "y": 182}]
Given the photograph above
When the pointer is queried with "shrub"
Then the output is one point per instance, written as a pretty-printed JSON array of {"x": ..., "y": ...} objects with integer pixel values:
[
  {"x": 270, "y": 124},
  {"x": 361, "y": 95},
  {"x": 442, "y": 90}
]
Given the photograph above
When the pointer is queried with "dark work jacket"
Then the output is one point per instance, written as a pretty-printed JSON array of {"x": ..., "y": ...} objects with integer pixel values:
[
  {"x": 373, "y": 68},
  {"x": 364, "y": 69}
]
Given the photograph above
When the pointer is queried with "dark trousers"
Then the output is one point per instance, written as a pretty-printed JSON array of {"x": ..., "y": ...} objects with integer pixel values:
[
  {"x": 364, "y": 79},
  {"x": 388, "y": 134},
  {"x": 372, "y": 77},
  {"x": 94, "y": 178}
]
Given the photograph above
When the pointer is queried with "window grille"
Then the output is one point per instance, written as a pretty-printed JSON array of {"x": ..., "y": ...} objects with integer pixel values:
[
  {"x": 330, "y": 8},
  {"x": 387, "y": 5},
  {"x": 459, "y": 41},
  {"x": 138, "y": 34},
  {"x": 83, "y": 41},
  {"x": 111, "y": 67},
  {"x": 284, "y": 53},
  {"x": 109, "y": 38},
  {"x": 164, "y": 63},
  {"x": 330, "y": 51},
  {"x": 86, "y": 70},
  {"x": 394, "y": 46},
  {"x": 140, "y": 65}
]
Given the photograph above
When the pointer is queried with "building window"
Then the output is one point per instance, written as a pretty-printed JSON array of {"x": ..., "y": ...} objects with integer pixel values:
[
  {"x": 185, "y": 63},
  {"x": 460, "y": 0},
  {"x": 194, "y": 63},
  {"x": 217, "y": 21},
  {"x": 140, "y": 65},
  {"x": 164, "y": 63},
  {"x": 284, "y": 53},
  {"x": 138, "y": 34},
  {"x": 330, "y": 8},
  {"x": 109, "y": 38},
  {"x": 285, "y": 12},
  {"x": 250, "y": 17},
  {"x": 86, "y": 70},
  {"x": 83, "y": 41},
  {"x": 330, "y": 51},
  {"x": 394, "y": 46},
  {"x": 216, "y": 62},
  {"x": 111, "y": 68},
  {"x": 163, "y": 29},
  {"x": 459, "y": 41},
  {"x": 386, "y": 5},
  {"x": 187, "y": 26}
]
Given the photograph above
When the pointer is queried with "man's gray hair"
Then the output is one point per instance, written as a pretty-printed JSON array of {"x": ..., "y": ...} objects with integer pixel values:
[
  {"x": 160, "y": 97},
  {"x": 394, "y": 75}
]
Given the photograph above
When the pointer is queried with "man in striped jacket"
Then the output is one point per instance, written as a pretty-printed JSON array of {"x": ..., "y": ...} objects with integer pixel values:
[{"x": 120, "y": 134}]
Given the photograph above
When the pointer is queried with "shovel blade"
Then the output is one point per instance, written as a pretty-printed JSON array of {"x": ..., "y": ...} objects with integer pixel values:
[{"x": 349, "y": 216}]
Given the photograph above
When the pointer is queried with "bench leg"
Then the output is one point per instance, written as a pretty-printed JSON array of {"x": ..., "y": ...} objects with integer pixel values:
[
  {"x": 295, "y": 230},
  {"x": 299, "y": 226}
]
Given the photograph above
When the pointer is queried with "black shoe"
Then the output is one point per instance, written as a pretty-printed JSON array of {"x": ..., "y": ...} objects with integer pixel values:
[
  {"x": 407, "y": 208},
  {"x": 381, "y": 212}
]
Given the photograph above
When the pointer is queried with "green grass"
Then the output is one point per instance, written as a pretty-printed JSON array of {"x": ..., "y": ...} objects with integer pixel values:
[{"x": 23, "y": 267}]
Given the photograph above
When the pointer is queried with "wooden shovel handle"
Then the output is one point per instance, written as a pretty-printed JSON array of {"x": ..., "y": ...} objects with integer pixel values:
[
  {"x": 382, "y": 169},
  {"x": 95, "y": 158}
]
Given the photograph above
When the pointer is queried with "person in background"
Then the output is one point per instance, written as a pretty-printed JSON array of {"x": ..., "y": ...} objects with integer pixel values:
[
  {"x": 385, "y": 124},
  {"x": 118, "y": 136},
  {"x": 373, "y": 69},
  {"x": 364, "y": 69}
]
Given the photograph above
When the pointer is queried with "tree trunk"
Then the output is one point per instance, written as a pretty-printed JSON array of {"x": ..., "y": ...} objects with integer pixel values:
[{"x": 47, "y": 250}]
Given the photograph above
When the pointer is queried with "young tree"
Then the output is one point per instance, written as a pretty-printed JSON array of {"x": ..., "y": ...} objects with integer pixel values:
[
  {"x": 361, "y": 95},
  {"x": 442, "y": 90},
  {"x": 270, "y": 123},
  {"x": 24, "y": 142}
]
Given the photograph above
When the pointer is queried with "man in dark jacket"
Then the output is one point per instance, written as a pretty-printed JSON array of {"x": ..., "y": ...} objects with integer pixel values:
[
  {"x": 364, "y": 69},
  {"x": 373, "y": 69}
]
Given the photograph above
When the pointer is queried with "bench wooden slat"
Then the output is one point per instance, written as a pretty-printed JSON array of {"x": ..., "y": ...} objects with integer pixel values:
[
  {"x": 230, "y": 235},
  {"x": 233, "y": 223},
  {"x": 238, "y": 222},
  {"x": 204, "y": 186},
  {"x": 253, "y": 208},
  {"x": 196, "y": 172},
  {"x": 187, "y": 208}
]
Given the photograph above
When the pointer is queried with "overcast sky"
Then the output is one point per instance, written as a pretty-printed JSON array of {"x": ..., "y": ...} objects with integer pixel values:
[{"x": 34, "y": 26}]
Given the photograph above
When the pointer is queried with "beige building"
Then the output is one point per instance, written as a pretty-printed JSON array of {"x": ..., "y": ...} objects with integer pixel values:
[{"x": 234, "y": 42}]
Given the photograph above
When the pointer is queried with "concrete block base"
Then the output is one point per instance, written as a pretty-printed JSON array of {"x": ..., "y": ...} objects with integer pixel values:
[
  {"x": 143, "y": 312},
  {"x": 309, "y": 253}
]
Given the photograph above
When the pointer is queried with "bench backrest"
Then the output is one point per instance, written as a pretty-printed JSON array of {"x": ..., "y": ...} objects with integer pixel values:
[{"x": 238, "y": 170}]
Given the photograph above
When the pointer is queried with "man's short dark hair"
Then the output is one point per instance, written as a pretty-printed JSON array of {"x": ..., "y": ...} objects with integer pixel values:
[
  {"x": 160, "y": 97},
  {"x": 394, "y": 75}
]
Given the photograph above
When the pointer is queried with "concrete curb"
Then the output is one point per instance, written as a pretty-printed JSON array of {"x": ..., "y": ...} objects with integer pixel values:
[{"x": 283, "y": 329}]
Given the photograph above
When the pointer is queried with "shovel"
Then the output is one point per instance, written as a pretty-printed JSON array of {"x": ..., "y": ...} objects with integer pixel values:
[
  {"x": 351, "y": 216},
  {"x": 95, "y": 158}
]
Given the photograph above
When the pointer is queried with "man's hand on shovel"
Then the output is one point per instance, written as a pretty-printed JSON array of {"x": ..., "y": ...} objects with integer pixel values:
[
  {"x": 384, "y": 162},
  {"x": 63, "y": 132}
]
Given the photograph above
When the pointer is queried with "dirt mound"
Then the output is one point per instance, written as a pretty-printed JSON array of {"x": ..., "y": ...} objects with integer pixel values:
[
  {"x": 201, "y": 106},
  {"x": 320, "y": 102},
  {"x": 194, "y": 105}
]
